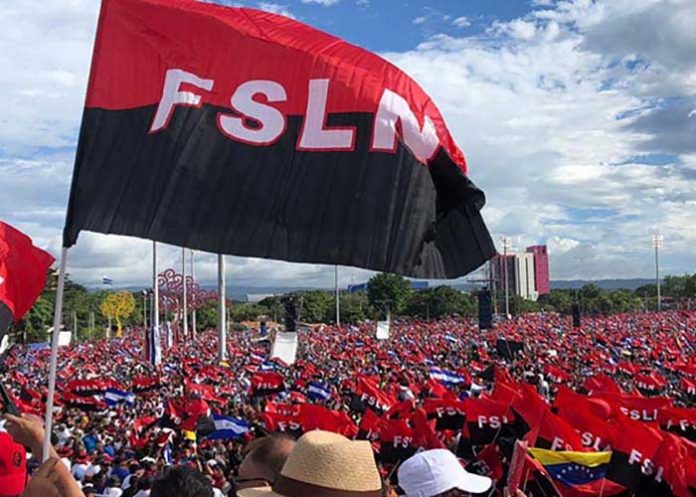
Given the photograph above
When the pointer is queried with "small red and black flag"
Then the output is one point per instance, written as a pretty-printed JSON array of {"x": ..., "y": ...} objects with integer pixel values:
[{"x": 22, "y": 274}]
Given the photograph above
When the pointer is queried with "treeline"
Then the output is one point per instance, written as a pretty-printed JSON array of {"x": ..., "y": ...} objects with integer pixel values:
[{"x": 386, "y": 293}]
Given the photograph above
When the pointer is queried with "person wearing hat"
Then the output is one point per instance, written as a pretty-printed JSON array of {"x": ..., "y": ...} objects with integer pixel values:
[
  {"x": 324, "y": 463},
  {"x": 438, "y": 472},
  {"x": 13, "y": 473}
]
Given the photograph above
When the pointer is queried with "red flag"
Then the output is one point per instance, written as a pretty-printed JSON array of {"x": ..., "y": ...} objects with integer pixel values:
[
  {"x": 267, "y": 383},
  {"x": 371, "y": 395},
  {"x": 450, "y": 414},
  {"x": 315, "y": 417},
  {"x": 678, "y": 420},
  {"x": 22, "y": 274}
]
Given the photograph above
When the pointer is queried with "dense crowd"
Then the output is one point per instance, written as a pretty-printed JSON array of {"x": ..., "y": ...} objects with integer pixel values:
[{"x": 122, "y": 423}]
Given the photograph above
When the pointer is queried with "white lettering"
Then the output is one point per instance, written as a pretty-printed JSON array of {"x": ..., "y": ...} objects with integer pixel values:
[
  {"x": 271, "y": 122},
  {"x": 314, "y": 135},
  {"x": 171, "y": 95},
  {"x": 394, "y": 110}
]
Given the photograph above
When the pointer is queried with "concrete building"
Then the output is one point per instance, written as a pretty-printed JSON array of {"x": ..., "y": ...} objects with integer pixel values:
[
  {"x": 527, "y": 272},
  {"x": 541, "y": 268}
]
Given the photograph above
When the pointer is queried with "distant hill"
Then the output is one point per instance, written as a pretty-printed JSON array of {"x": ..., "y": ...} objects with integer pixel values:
[{"x": 628, "y": 284}]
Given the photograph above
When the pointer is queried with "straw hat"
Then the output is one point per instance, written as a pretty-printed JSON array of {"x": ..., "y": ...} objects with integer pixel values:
[{"x": 324, "y": 464}]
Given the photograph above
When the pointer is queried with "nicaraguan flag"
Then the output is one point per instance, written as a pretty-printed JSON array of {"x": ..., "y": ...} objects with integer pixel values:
[
  {"x": 446, "y": 377},
  {"x": 107, "y": 281},
  {"x": 268, "y": 366},
  {"x": 227, "y": 428},
  {"x": 155, "y": 347},
  {"x": 168, "y": 457},
  {"x": 318, "y": 391},
  {"x": 114, "y": 396}
]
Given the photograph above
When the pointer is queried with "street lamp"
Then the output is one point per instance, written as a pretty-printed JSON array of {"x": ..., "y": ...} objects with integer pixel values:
[
  {"x": 506, "y": 245},
  {"x": 657, "y": 243}
]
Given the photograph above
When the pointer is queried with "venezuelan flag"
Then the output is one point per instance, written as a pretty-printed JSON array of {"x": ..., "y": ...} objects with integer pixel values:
[{"x": 573, "y": 468}]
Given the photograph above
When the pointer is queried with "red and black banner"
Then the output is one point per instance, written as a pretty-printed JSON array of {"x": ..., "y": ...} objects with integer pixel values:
[
  {"x": 243, "y": 132},
  {"x": 22, "y": 274}
]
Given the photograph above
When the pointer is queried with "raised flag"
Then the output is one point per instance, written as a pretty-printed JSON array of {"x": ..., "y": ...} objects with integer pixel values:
[
  {"x": 107, "y": 281},
  {"x": 114, "y": 396},
  {"x": 23, "y": 270},
  {"x": 578, "y": 473},
  {"x": 447, "y": 377},
  {"x": 227, "y": 428},
  {"x": 449, "y": 414},
  {"x": 318, "y": 391},
  {"x": 263, "y": 384},
  {"x": 168, "y": 122}
]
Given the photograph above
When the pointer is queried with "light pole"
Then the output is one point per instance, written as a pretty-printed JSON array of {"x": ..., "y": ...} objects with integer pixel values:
[
  {"x": 657, "y": 243},
  {"x": 193, "y": 311},
  {"x": 506, "y": 245},
  {"x": 338, "y": 305},
  {"x": 145, "y": 309},
  {"x": 184, "y": 314}
]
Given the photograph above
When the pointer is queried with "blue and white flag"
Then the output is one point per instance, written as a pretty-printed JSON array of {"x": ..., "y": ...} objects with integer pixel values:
[
  {"x": 268, "y": 366},
  {"x": 107, "y": 281},
  {"x": 113, "y": 396},
  {"x": 154, "y": 346},
  {"x": 446, "y": 377},
  {"x": 168, "y": 456},
  {"x": 318, "y": 391},
  {"x": 227, "y": 428}
]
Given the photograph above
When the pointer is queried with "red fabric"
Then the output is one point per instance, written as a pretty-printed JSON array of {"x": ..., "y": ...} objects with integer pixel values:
[
  {"x": 22, "y": 270},
  {"x": 232, "y": 46}
]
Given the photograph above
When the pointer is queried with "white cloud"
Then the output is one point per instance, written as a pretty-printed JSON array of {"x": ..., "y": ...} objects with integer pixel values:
[
  {"x": 325, "y": 3},
  {"x": 419, "y": 20},
  {"x": 362, "y": 3},
  {"x": 552, "y": 111},
  {"x": 276, "y": 9},
  {"x": 461, "y": 22}
]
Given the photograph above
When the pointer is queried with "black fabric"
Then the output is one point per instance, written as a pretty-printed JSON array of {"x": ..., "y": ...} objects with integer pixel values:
[
  {"x": 577, "y": 316},
  {"x": 485, "y": 312},
  {"x": 190, "y": 185},
  {"x": 6, "y": 319}
]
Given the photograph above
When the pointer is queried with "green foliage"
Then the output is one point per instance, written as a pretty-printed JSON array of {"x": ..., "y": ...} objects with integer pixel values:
[
  {"x": 315, "y": 305},
  {"x": 439, "y": 302},
  {"x": 246, "y": 312},
  {"x": 389, "y": 292}
]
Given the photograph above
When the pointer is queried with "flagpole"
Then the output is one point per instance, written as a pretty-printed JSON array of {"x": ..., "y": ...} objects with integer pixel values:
[
  {"x": 193, "y": 311},
  {"x": 338, "y": 305},
  {"x": 222, "y": 325},
  {"x": 57, "y": 315},
  {"x": 183, "y": 274},
  {"x": 155, "y": 290}
]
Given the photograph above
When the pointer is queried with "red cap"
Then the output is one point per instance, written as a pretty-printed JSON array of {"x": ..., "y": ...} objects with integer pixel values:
[{"x": 13, "y": 467}]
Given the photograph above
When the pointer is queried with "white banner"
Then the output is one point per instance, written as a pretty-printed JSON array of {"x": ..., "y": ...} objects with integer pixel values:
[
  {"x": 285, "y": 347},
  {"x": 383, "y": 330}
]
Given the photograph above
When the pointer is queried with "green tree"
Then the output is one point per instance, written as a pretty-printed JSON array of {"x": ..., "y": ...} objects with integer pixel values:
[
  {"x": 315, "y": 305},
  {"x": 388, "y": 292},
  {"x": 354, "y": 308},
  {"x": 440, "y": 301}
]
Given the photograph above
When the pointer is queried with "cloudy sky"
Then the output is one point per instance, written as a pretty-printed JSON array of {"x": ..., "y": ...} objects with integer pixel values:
[{"x": 578, "y": 120}]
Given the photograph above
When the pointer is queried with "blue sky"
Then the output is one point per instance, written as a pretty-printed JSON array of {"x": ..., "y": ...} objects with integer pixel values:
[{"x": 577, "y": 118}]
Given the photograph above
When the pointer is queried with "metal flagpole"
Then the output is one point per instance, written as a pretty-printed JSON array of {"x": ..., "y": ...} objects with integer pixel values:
[
  {"x": 57, "y": 315},
  {"x": 222, "y": 325},
  {"x": 338, "y": 305},
  {"x": 505, "y": 276},
  {"x": 155, "y": 291},
  {"x": 193, "y": 311},
  {"x": 183, "y": 274},
  {"x": 657, "y": 241}
]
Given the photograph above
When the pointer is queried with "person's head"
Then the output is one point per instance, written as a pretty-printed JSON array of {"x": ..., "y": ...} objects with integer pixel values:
[
  {"x": 263, "y": 461},
  {"x": 182, "y": 481},
  {"x": 89, "y": 491},
  {"x": 13, "y": 472},
  {"x": 322, "y": 462},
  {"x": 438, "y": 473}
]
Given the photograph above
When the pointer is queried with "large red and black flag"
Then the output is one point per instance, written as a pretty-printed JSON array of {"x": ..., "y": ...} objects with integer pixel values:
[
  {"x": 22, "y": 274},
  {"x": 237, "y": 131}
]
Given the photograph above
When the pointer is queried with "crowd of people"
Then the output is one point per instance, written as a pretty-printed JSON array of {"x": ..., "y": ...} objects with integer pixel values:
[{"x": 435, "y": 409}]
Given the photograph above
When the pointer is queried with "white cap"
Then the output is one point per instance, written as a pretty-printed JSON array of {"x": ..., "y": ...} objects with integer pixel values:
[{"x": 433, "y": 472}]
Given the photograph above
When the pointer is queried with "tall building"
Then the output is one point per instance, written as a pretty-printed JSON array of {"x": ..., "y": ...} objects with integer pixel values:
[
  {"x": 541, "y": 268},
  {"x": 527, "y": 272}
]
